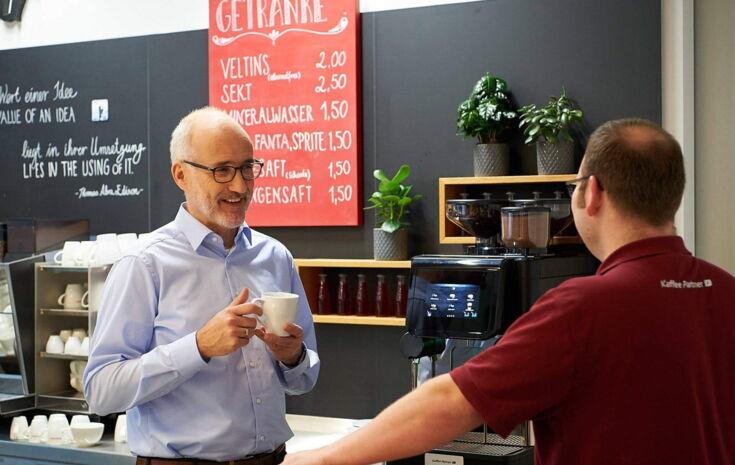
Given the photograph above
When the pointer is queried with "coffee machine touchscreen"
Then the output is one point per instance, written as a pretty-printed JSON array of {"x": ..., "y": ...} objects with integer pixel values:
[{"x": 453, "y": 300}]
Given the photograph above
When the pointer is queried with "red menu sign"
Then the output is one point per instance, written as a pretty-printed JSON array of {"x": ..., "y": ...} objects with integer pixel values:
[{"x": 287, "y": 71}]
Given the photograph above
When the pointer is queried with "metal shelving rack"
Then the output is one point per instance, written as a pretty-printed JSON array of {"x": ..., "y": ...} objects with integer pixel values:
[{"x": 53, "y": 391}]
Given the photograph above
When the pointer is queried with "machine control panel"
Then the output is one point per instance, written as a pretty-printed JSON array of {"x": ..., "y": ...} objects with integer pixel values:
[{"x": 453, "y": 301}]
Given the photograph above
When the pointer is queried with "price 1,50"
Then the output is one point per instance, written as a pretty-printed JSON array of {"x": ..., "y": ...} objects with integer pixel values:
[
  {"x": 339, "y": 168},
  {"x": 340, "y": 140},
  {"x": 340, "y": 194},
  {"x": 336, "y": 109}
]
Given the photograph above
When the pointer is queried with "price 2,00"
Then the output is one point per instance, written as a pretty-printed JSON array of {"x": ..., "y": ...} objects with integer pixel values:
[{"x": 334, "y": 60}]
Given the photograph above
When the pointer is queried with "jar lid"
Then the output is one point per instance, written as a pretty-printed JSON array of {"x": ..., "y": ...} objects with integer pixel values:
[
  {"x": 524, "y": 209},
  {"x": 487, "y": 201}
]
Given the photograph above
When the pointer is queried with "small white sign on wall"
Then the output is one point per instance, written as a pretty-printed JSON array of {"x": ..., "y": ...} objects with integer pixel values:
[{"x": 100, "y": 110}]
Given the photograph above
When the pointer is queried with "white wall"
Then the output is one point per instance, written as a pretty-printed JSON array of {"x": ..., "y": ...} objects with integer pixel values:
[
  {"x": 715, "y": 119},
  {"x": 48, "y": 22}
]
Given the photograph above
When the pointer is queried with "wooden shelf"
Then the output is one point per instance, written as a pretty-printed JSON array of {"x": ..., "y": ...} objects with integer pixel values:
[
  {"x": 63, "y": 312},
  {"x": 310, "y": 268},
  {"x": 450, "y": 188},
  {"x": 350, "y": 263},
  {"x": 360, "y": 320},
  {"x": 63, "y": 356}
]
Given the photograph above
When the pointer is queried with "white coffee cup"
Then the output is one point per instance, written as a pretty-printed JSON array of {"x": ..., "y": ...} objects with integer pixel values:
[
  {"x": 19, "y": 428},
  {"x": 54, "y": 345},
  {"x": 72, "y": 346},
  {"x": 87, "y": 434},
  {"x": 77, "y": 367},
  {"x": 126, "y": 242},
  {"x": 107, "y": 251},
  {"x": 38, "y": 431},
  {"x": 84, "y": 348},
  {"x": 79, "y": 419},
  {"x": 121, "y": 429},
  {"x": 81, "y": 333},
  {"x": 68, "y": 255},
  {"x": 279, "y": 308},
  {"x": 74, "y": 297},
  {"x": 76, "y": 383},
  {"x": 85, "y": 253},
  {"x": 64, "y": 334},
  {"x": 58, "y": 429}
]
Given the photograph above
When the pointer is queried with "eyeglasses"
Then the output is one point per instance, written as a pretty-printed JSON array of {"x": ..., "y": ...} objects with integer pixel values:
[
  {"x": 571, "y": 185},
  {"x": 224, "y": 174}
]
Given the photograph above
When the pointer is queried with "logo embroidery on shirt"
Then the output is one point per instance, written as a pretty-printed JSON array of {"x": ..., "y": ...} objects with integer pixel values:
[{"x": 671, "y": 283}]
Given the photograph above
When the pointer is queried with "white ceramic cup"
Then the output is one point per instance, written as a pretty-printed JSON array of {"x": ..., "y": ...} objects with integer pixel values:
[
  {"x": 121, "y": 429},
  {"x": 64, "y": 334},
  {"x": 77, "y": 367},
  {"x": 72, "y": 346},
  {"x": 84, "y": 348},
  {"x": 107, "y": 251},
  {"x": 126, "y": 242},
  {"x": 68, "y": 255},
  {"x": 38, "y": 431},
  {"x": 76, "y": 383},
  {"x": 19, "y": 428},
  {"x": 74, "y": 297},
  {"x": 279, "y": 308},
  {"x": 81, "y": 333},
  {"x": 79, "y": 419},
  {"x": 54, "y": 345},
  {"x": 85, "y": 253},
  {"x": 58, "y": 429},
  {"x": 87, "y": 434}
]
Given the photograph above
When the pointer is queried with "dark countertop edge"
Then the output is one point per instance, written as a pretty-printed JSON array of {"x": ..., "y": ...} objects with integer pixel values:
[{"x": 107, "y": 452}]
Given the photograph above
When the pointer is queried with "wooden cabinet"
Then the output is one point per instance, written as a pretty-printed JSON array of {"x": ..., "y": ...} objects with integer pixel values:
[
  {"x": 522, "y": 186},
  {"x": 309, "y": 270}
]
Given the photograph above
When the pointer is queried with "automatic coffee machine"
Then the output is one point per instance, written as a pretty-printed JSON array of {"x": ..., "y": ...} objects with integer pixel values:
[{"x": 478, "y": 295}]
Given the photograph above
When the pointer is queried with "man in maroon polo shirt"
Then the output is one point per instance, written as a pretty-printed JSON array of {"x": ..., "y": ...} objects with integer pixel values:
[{"x": 634, "y": 365}]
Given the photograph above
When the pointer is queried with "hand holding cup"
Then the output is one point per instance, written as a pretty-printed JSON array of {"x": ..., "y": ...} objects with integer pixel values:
[
  {"x": 281, "y": 335},
  {"x": 230, "y": 329}
]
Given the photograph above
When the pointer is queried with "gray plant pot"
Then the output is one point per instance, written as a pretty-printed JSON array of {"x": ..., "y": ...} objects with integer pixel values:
[
  {"x": 492, "y": 160},
  {"x": 555, "y": 157},
  {"x": 390, "y": 246}
]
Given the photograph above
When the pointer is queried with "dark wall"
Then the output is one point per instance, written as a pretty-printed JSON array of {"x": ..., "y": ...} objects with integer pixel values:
[{"x": 417, "y": 66}]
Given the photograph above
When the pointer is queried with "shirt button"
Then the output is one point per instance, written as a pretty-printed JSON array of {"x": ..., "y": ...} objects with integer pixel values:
[
  {"x": 262, "y": 438},
  {"x": 252, "y": 364},
  {"x": 258, "y": 401}
]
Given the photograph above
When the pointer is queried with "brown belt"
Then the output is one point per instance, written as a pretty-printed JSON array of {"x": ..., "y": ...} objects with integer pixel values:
[{"x": 268, "y": 458}]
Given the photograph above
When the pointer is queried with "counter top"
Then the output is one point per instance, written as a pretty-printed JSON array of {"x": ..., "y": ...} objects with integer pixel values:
[{"x": 309, "y": 433}]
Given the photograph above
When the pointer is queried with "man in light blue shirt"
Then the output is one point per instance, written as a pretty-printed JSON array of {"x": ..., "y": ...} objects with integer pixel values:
[{"x": 177, "y": 344}]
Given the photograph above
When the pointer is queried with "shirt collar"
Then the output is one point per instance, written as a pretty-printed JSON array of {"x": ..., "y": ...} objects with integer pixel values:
[
  {"x": 641, "y": 249},
  {"x": 196, "y": 232}
]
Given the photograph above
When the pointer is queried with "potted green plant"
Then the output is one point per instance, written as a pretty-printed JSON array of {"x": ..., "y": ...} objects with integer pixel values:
[
  {"x": 548, "y": 126},
  {"x": 485, "y": 115},
  {"x": 390, "y": 201}
]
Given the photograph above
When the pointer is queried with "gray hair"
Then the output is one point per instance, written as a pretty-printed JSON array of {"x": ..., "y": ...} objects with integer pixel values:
[{"x": 180, "y": 144}]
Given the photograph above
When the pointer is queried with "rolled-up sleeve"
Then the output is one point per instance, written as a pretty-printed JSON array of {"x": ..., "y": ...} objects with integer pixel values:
[{"x": 122, "y": 371}]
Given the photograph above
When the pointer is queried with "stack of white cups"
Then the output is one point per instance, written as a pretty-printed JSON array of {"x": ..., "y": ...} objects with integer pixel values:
[{"x": 105, "y": 250}]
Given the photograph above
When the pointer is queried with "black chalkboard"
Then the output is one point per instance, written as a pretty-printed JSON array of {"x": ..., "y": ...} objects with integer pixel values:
[{"x": 57, "y": 163}]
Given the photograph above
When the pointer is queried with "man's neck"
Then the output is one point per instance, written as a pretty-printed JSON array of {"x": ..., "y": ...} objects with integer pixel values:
[{"x": 624, "y": 233}]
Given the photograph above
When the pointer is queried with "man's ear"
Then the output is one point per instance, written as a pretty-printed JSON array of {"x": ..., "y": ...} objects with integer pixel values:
[
  {"x": 177, "y": 172},
  {"x": 594, "y": 196}
]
